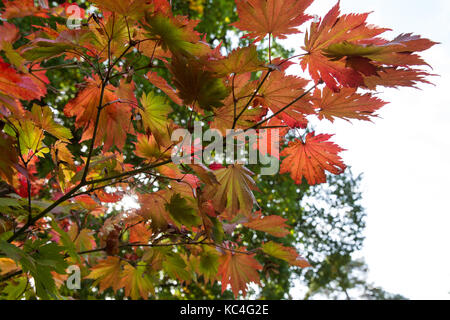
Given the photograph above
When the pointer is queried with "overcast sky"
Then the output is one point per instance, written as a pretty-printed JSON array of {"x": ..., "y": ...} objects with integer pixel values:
[{"x": 405, "y": 157}]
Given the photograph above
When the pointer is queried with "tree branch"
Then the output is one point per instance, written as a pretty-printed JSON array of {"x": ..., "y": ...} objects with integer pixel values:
[
  {"x": 283, "y": 109},
  {"x": 251, "y": 99}
]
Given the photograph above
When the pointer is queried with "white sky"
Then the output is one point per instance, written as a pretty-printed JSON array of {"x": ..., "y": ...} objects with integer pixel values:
[{"x": 404, "y": 157}]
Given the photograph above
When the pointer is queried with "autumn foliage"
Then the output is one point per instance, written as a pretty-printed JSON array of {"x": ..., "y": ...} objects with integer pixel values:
[{"x": 187, "y": 224}]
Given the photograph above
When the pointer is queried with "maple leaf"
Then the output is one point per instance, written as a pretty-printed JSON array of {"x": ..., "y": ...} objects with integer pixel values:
[
  {"x": 23, "y": 8},
  {"x": 154, "y": 114},
  {"x": 7, "y": 265},
  {"x": 19, "y": 86},
  {"x": 396, "y": 77},
  {"x": 107, "y": 273},
  {"x": 330, "y": 30},
  {"x": 182, "y": 212},
  {"x": 235, "y": 190},
  {"x": 130, "y": 8},
  {"x": 208, "y": 263},
  {"x": 153, "y": 207},
  {"x": 398, "y": 52},
  {"x": 9, "y": 33},
  {"x": 237, "y": 270},
  {"x": 115, "y": 118},
  {"x": 50, "y": 43},
  {"x": 273, "y": 225},
  {"x": 372, "y": 56},
  {"x": 240, "y": 60},
  {"x": 173, "y": 34},
  {"x": 288, "y": 254},
  {"x": 276, "y": 17},
  {"x": 346, "y": 104},
  {"x": 112, "y": 36},
  {"x": 225, "y": 115},
  {"x": 30, "y": 138},
  {"x": 139, "y": 233},
  {"x": 83, "y": 240},
  {"x": 175, "y": 266},
  {"x": 270, "y": 139},
  {"x": 172, "y": 263},
  {"x": 162, "y": 84},
  {"x": 148, "y": 148},
  {"x": 9, "y": 157},
  {"x": 310, "y": 159},
  {"x": 43, "y": 118},
  {"x": 136, "y": 282},
  {"x": 197, "y": 85},
  {"x": 279, "y": 90},
  {"x": 107, "y": 197}
]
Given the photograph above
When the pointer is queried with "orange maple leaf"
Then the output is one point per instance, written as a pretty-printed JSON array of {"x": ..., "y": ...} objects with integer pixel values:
[
  {"x": 107, "y": 273},
  {"x": 370, "y": 57},
  {"x": 279, "y": 90},
  {"x": 162, "y": 84},
  {"x": 225, "y": 115},
  {"x": 397, "y": 77},
  {"x": 335, "y": 29},
  {"x": 237, "y": 270},
  {"x": 115, "y": 118},
  {"x": 311, "y": 158},
  {"x": 346, "y": 104},
  {"x": 273, "y": 225},
  {"x": 277, "y": 17}
]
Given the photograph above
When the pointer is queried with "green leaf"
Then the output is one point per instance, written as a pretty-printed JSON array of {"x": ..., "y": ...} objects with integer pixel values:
[
  {"x": 17, "y": 255},
  {"x": 209, "y": 263},
  {"x": 196, "y": 84},
  {"x": 287, "y": 254},
  {"x": 46, "y": 49},
  {"x": 172, "y": 38},
  {"x": 154, "y": 115},
  {"x": 43, "y": 118},
  {"x": 182, "y": 212},
  {"x": 67, "y": 242},
  {"x": 175, "y": 266},
  {"x": 9, "y": 202},
  {"x": 48, "y": 258},
  {"x": 217, "y": 230},
  {"x": 14, "y": 289}
]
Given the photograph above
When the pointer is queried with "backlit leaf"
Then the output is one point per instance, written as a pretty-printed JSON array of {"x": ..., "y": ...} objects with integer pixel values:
[
  {"x": 238, "y": 270},
  {"x": 310, "y": 159},
  {"x": 277, "y": 17}
]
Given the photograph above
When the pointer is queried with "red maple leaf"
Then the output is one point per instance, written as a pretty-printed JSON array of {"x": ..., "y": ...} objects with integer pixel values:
[
  {"x": 335, "y": 29},
  {"x": 311, "y": 158}
]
